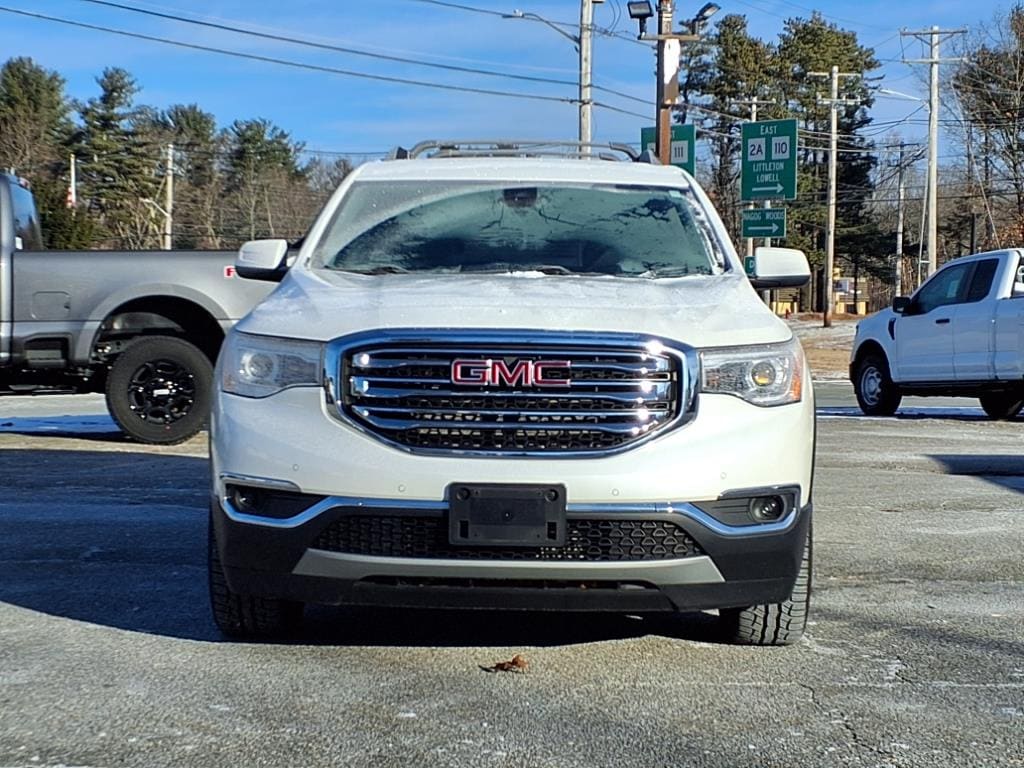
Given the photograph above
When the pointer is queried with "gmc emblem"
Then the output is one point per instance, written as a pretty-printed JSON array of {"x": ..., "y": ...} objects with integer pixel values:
[{"x": 526, "y": 373}]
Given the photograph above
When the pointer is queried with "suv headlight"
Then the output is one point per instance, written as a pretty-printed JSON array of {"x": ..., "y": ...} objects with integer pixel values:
[
  {"x": 768, "y": 374},
  {"x": 259, "y": 366}
]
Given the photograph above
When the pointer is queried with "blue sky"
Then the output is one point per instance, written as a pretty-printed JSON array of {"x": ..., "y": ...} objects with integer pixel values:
[{"x": 346, "y": 114}]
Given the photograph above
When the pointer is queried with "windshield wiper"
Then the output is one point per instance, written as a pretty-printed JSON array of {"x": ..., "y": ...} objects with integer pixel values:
[
  {"x": 389, "y": 269},
  {"x": 547, "y": 269}
]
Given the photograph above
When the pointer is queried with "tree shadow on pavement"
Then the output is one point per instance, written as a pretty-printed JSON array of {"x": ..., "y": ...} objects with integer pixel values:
[
  {"x": 118, "y": 539},
  {"x": 1005, "y": 470}
]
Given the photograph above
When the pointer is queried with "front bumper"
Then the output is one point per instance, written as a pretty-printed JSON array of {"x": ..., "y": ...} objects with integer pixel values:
[
  {"x": 730, "y": 446},
  {"x": 728, "y": 566}
]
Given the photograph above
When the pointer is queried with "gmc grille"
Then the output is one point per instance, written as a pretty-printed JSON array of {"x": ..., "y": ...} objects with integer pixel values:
[{"x": 614, "y": 392}]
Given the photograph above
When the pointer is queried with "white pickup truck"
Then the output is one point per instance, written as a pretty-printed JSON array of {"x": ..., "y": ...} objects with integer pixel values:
[{"x": 961, "y": 333}]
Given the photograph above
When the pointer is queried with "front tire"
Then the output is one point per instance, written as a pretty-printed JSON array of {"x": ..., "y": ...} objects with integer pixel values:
[
  {"x": 877, "y": 395},
  {"x": 241, "y": 616},
  {"x": 1002, "y": 406},
  {"x": 158, "y": 390},
  {"x": 773, "y": 623}
]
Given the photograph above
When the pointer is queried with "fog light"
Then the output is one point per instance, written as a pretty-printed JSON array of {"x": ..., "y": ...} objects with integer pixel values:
[
  {"x": 248, "y": 500},
  {"x": 767, "y": 508}
]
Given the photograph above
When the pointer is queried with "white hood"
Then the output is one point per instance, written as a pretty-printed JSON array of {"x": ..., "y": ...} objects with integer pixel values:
[{"x": 720, "y": 310}]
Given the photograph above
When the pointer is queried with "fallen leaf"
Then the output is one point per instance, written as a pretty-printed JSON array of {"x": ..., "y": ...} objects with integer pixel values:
[{"x": 517, "y": 664}]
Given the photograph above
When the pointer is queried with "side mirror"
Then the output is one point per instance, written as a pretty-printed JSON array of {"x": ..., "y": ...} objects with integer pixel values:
[
  {"x": 900, "y": 304},
  {"x": 262, "y": 260},
  {"x": 778, "y": 268}
]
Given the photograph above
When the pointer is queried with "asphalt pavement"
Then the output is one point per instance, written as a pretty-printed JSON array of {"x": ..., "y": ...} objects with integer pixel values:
[{"x": 914, "y": 656}]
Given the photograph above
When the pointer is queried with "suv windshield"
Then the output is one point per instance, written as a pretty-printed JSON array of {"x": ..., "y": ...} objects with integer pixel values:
[{"x": 632, "y": 231}]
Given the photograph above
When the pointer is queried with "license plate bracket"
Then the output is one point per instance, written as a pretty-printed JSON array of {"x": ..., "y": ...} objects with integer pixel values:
[{"x": 501, "y": 514}]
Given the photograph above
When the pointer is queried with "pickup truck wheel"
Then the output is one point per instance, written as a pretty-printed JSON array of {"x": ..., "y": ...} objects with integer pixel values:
[
  {"x": 1002, "y": 406},
  {"x": 877, "y": 395},
  {"x": 158, "y": 390},
  {"x": 774, "y": 623},
  {"x": 238, "y": 615}
]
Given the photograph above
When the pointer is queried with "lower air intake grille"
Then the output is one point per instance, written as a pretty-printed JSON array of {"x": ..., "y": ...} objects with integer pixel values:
[{"x": 586, "y": 541}]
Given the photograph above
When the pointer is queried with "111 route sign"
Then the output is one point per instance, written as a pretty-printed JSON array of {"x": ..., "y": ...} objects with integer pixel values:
[
  {"x": 684, "y": 141},
  {"x": 768, "y": 167}
]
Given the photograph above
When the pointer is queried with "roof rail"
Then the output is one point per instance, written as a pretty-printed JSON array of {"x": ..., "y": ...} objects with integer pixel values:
[{"x": 517, "y": 148}]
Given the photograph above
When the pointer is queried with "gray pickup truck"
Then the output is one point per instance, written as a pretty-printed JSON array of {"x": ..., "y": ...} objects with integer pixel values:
[{"x": 144, "y": 327}]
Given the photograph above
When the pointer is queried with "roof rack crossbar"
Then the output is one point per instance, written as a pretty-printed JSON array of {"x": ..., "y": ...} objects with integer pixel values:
[{"x": 518, "y": 148}]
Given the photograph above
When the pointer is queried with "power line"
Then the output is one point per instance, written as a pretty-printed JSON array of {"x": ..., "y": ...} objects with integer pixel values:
[
  {"x": 604, "y": 32},
  {"x": 288, "y": 63},
  {"x": 761, "y": 9},
  {"x": 327, "y": 47}
]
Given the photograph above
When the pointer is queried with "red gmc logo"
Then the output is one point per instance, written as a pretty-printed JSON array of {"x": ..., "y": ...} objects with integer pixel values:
[{"x": 526, "y": 373}]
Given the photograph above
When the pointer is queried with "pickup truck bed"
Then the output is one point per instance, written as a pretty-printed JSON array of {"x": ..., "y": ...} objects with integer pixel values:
[{"x": 144, "y": 327}]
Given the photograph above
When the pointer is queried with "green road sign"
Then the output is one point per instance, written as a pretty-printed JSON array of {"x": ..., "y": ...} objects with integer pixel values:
[
  {"x": 764, "y": 222},
  {"x": 749, "y": 262},
  {"x": 684, "y": 145},
  {"x": 769, "y": 160}
]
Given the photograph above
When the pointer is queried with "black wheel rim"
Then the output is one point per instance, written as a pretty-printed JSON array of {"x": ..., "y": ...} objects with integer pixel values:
[{"x": 161, "y": 391}]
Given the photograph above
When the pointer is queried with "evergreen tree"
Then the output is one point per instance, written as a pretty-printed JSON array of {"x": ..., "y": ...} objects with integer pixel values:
[
  {"x": 35, "y": 122},
  {"x": 119, "y": 164},
  {"x": 198, "y": 172},
  {"x": 814, "y": 45},
  {"x": 265, "y": 180},
  {"x": 741, "y": 68},
  {"x": 35, "y": 134}
]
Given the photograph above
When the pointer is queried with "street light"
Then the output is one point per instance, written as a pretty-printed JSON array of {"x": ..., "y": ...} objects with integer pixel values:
[
  {"x": 641, "y": 11},
  {"x": 584, "y": 44},
  {"x": 703, "y": 16},
  {"x": 901, "y": 95},
  {"x": 517, "y": 14},
  {"x": 669, "y": 53}
]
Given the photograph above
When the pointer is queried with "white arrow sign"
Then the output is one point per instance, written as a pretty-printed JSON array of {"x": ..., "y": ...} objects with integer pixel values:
[
  {"x": 776, "y": 189},
  {"x": 773, "y": 229}
]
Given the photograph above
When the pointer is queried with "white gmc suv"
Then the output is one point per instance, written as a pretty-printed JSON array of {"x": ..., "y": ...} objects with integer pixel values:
[{"x": 494, "y": 378}]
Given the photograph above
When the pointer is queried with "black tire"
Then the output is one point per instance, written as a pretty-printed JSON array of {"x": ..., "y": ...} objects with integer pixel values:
[
  {"x": 877, "y": 395},
  {"x": 774, "y": 623},
  {"x": 241, "y": 616},
  {"x": 158, "y": 390},
  {"x": 1002, "y": 406}
]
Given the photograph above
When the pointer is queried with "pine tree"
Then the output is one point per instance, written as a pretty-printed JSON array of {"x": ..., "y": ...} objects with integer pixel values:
[
  {"x": 119, "y": 164},
  {"x": 265, "y": 180}
]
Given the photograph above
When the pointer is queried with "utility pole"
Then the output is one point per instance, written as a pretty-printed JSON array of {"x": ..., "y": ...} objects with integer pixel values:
[
  {"x": 900, "y": 198},
  {"x": 833, "y": 102},
  {"x": 669, "y": 51},
  {"x": 586, "y": 44},
  {"x": 935, "y": 37},
  {"x": 169, "y": 199}
]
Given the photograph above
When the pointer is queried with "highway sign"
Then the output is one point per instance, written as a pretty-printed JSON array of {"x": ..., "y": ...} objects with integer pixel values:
[
  {"x": 684, "y": 145},
  {"x": 769, "y": 163},
  {"x": 764, "y": 222}
]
